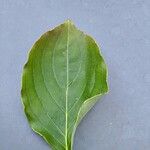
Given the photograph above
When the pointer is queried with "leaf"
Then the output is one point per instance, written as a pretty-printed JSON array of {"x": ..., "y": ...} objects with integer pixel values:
[{"x": 63, "y": 78}]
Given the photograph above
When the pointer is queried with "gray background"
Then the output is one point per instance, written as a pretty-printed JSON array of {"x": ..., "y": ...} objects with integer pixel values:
[{"x": 121, "y": 120}]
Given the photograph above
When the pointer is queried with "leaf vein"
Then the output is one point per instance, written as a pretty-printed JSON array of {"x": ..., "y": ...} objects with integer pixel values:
[
  {"x": 39, "y": 97},
  {"x": 39, "y": 119}
]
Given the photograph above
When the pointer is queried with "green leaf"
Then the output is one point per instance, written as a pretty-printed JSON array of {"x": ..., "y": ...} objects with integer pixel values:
[{"x": 63, "y": 78}]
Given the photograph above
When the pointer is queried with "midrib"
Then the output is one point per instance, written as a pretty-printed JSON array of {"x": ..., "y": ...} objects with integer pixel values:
[{"x": 67, "y": 83}]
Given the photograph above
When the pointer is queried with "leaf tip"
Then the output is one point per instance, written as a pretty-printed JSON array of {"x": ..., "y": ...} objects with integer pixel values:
[{"x": 69, "y": 21}]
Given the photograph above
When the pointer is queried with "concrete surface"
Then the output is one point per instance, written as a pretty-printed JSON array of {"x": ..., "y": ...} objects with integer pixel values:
[{"x": 121, "y": 120}]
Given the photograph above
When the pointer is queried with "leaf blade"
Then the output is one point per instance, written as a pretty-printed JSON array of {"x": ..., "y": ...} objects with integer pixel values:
[{"x": 61, "y": 78}]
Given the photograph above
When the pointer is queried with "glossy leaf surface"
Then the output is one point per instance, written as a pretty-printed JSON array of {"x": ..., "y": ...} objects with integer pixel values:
[{"x": 63, "y": 78}]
